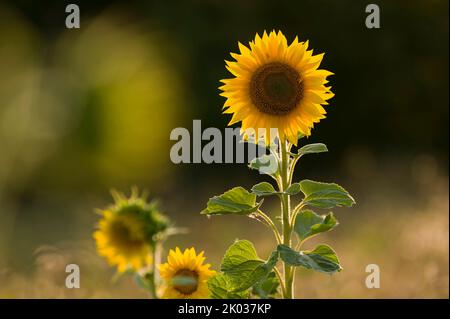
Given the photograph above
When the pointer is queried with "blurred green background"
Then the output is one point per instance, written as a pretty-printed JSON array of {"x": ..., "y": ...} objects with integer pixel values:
[{"x": 86, "y": 110}]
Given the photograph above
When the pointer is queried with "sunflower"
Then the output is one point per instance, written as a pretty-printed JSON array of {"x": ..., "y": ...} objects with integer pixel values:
[
  {"x": 126, "y": 233},
  {"x": 185, "y": 275},
  {"x": 276, "y": 86}
]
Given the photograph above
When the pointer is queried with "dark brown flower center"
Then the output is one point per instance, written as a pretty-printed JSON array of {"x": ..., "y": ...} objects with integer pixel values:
[
  {"x": 276, "y": 88},
  {"x": 121, "y": 236},
  {"x": 185, "y": 281}
]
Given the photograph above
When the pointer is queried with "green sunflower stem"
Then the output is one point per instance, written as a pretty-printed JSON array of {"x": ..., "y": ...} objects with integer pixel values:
[
  {"x": 152, "y": 284},
  {"x": 286, "y": 216},
  {"x": 153, "y": 276}
]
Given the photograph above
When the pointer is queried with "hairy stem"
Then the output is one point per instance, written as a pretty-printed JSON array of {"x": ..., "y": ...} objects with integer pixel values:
[
  {"x": 295, "y": 211},
  {"x": 285, "y": 211},
  {"x": 271, "y": 225},
  {"x": 280, "y": 279},
  {"x": 153, "y": 276}
]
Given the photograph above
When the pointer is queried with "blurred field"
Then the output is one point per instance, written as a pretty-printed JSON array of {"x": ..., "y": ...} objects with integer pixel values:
[
  {"x": 403, "y": 230},
  {"x": 84, "y": 111}
]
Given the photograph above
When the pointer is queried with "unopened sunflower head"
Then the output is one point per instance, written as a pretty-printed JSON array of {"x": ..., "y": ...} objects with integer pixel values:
[
  {"x": 128, "y": 231},
  {"x": 276, "y": 86},
  {"x": 185, "y": 276}
]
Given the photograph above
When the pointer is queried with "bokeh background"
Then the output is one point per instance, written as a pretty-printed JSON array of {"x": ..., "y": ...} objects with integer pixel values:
[{"x": 86, "y": 110}]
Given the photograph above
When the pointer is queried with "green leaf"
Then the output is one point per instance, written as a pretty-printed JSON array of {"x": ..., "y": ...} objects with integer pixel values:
[
  {"x": 221, "y": 288},
  {"x": 252, "y": 272},
  {"x": 322, "y": 258},
  {"x": 241, "y": 251},
  {"x": 264, "y": 189},
  {"x": 265, "y": 164},
  {"x": 236, "y": 201},
  {"x": 293, "y": 189},
  {"x": 312, "y": 148},
  {"x": 243, "y": 266},
  {"x": 308, "y": 223},
  {"x": 268, "y": 287},
  {"x": 144, "y": 282},
  {"x": 325, "y": 195}
]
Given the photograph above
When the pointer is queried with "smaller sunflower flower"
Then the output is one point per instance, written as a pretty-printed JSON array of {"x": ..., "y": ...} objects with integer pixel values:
[
  {"x": 127, "y": 231},
  {"x": 185, "y": 275}
]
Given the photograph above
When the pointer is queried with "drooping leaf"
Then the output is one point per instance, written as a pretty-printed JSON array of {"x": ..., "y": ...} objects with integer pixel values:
[
  {"x": 265, "y": 164},
  {"x": 308, "y": 223},
  {"x": 243, "y": 266},
  {"x": 236, "y": 201},
  {"x": 322, "y": 258},
  {"x": 221, "y": 288},
  {"x": 325, "y": 195}
]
